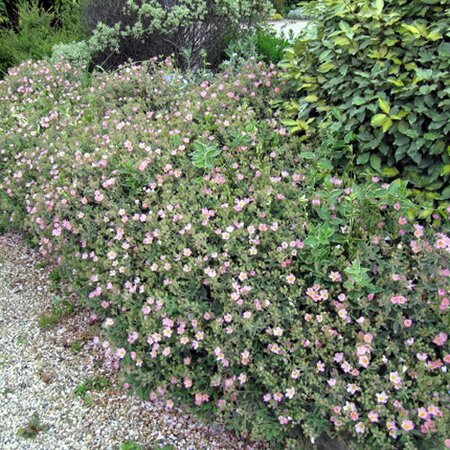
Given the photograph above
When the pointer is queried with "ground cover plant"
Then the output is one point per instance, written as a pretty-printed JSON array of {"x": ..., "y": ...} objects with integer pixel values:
[
  {"x": 232, "y": 269},
  {"x": 378, "y": 73}
]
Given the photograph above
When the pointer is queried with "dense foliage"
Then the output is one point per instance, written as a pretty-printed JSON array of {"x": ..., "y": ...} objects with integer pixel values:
[
  {"x": 194, "y": 31},
  {"x": 264, "y": 45},
  {"x": 232, "y": 270},
  {"x": 37, "y": 31},
  {"x": 379, "y": 73}
]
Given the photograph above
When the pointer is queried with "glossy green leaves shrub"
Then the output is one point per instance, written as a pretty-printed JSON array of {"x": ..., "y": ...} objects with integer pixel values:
[{"x": 379, "y": 72}]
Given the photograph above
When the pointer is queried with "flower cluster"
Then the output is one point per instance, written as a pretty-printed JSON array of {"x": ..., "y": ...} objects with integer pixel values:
[{"x": 267, "y": 289}]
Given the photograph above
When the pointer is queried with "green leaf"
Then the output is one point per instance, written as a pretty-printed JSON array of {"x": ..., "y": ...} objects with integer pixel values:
[
  {"x": 289, "y": 122},
  {"x": 311, "y": 98},
  {"x": 411, "y": 29},
  {"x": 384, "y": 105},
  {"x": 394, "y": 187},
  {"x": 312, "y": 241},
  {"x": 381, "y": 120},
  {"x": 326, "y": 67},
  {"x": 379, "y": 5},
  {"x": 362, "y": 158},
  {"x": 342, "y": 41},
  {"x": 390, "y": 171},
  {"x": 445, "y": 170},
  {"x": 358, "y": 101},
  {"x": 445, "y": 195},
  {"x": 434, "y": 36},
  {"x": 378, "y": 120},
  {"x": 375, "y": 162},
  {"x": 444, "y": 49}
]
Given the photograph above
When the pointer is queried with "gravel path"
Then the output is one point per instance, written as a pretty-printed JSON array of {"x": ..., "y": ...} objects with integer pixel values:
[{"x": 39, "y": 374}]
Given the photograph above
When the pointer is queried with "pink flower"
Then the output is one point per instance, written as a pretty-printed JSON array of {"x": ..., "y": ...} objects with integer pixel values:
[
  {"x": 382, "y": 397},
  {"x": 335, "y": 277},
  {"x": 283, "y": 420},
  {"x": 278, "y": 396},
  {"x": 423, "y": 413},
  {"x": 440, "y": 339},
  {"x": 395, "y": 379},
  {"x": 290, "y": 278},
  {"x": 398, "y": 300},
  {"x": 121, "y": 352},
  {"x": 201, "y": 398},
  {"x": 407, "y": 425},
  {"x": 132, "y": 337},
  {"x": 290, "y": 392}
]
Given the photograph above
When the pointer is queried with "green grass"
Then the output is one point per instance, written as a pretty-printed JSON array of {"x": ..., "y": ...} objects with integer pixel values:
[
  {"x": 76, "y": 346},
  {"x": 4, "y": 392},
  {"x": 60, "y": 310},
  {"x": 21, "y": 340},
  {"x": 89, "y": 385},
  {"x": 129, "y": 445},
  {"x": 32, "y": 428}
]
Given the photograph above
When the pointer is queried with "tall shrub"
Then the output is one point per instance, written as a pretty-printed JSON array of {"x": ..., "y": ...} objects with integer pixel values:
[
  {"x": 195, "y": 31},
  {"x": 378, "y": 72}
]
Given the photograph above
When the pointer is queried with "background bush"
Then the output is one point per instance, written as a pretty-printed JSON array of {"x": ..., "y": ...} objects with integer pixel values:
[
  {"x": 297, "y": 14},
  {"x": 378, "y": 72},
  {"x": 232, "y": 270},
  {"x": 263, "y": 44},
  {"x": 38, "y": 30},
  {"x": 196, "y": 32},
  {"x": 270, "y": 47}
]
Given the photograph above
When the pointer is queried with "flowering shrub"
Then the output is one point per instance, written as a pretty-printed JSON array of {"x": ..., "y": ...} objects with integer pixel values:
[{"x": 232, "y": 270}]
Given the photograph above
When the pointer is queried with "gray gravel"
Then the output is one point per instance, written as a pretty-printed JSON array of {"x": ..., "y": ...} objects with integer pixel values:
[{"x": 38, "y": 375}]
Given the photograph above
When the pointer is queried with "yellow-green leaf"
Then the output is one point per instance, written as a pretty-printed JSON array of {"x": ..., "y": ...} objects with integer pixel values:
[
  {"x": 383, "y": 121},
  {"x": 434, "y": 36},
  {"x": 446, "y": 170},
  {"x": 311, "y": 98},
  {"x": 341, "y": 40},
  {"x": 426, "y": 213},
  {"x": 379, "y": 5},
  {"x": 326, "y": 67},
  {"x": 390, "y": 171},
  {"x": 384, "y": 105},
  {"x": 289, "y": 122},
  {"x": 411, "y": 28},
  {"x": 398, "y": 83},
  {"x": 387, "y": 124},
  {"x": 378, "y": 120}
]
